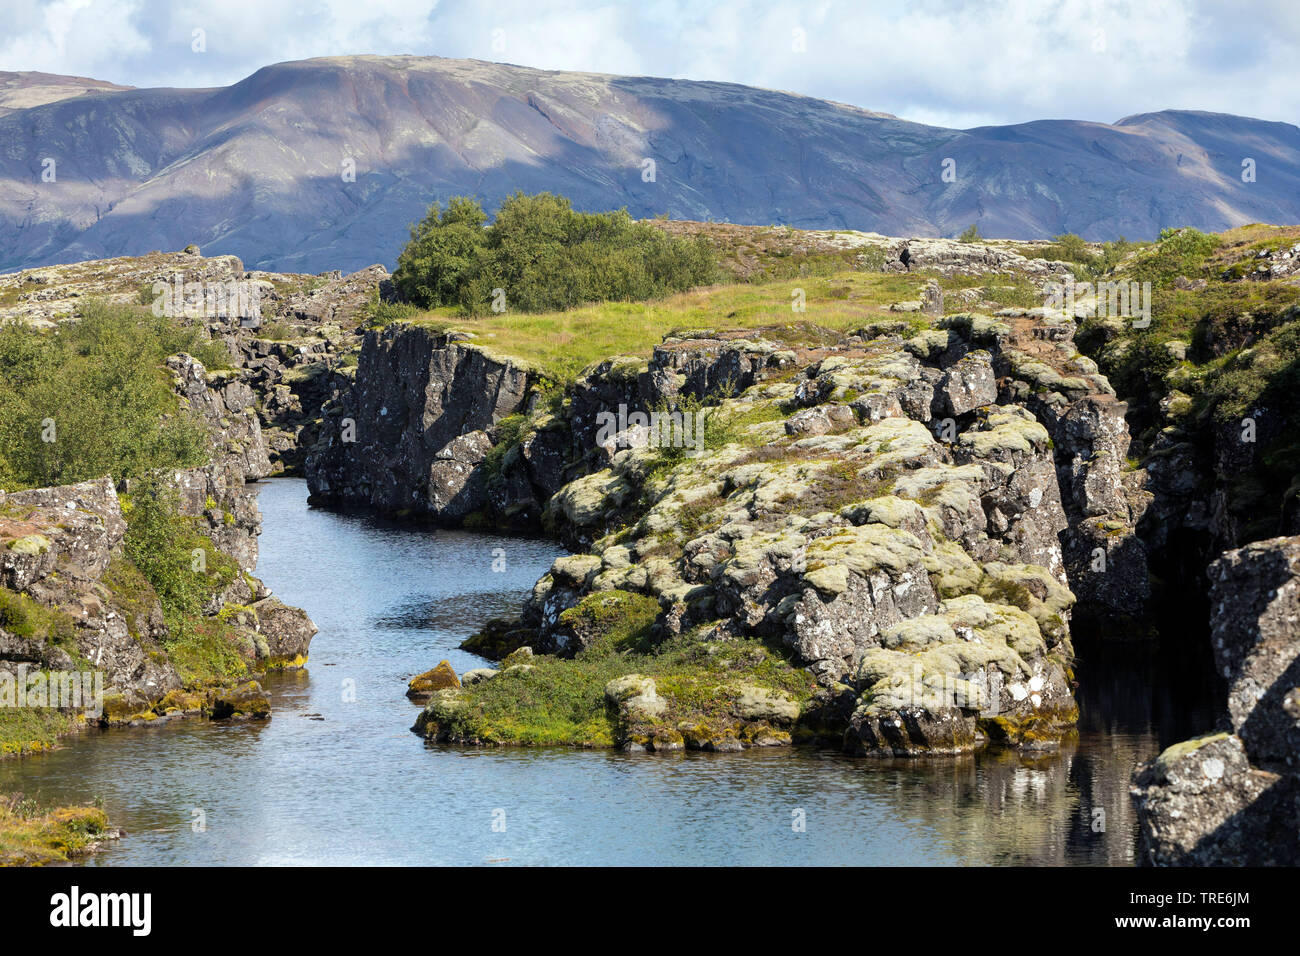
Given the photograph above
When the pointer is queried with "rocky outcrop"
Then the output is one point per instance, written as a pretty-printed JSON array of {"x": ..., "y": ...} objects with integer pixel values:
[
  {"x": 950, "y": 257},
  {"x": 74, "y": 601},
  {"x": 907, "y": 510},
  {"x": 217, "y": 491},
  {"x": 1233, "y": 797},
  {"x": 71, "y": 603},
  {"x": 921, "y": 573},
  {"x": 412, "y": 434},
  {"x": 423, "y": 686}
]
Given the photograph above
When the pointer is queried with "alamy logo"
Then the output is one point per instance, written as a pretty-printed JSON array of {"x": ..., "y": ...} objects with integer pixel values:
[
  {"x": 236, "y": 298},
  {"x": 73, "y": 909},
  {"x": 624, "y": 429},
  {"x": 65, "y": 690},
  {"x": 1127, "y": 300}
]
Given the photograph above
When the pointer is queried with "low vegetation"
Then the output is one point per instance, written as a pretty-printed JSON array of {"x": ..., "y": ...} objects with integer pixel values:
[
  {"x": 543, "y": 700},
  {"x": 1221, "y": 347},
  {"x": 33, "y": 836},
  {"x": 184, "y": 569},
  {"x": 562, "y": 343},
  {"x": 92, "y": 398},
  {"x": 539, "y": 254}
]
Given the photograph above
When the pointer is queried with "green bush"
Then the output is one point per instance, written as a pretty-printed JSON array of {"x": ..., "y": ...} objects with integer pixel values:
[
  {"x": 544, "y": 257},
  {"x": 1180, "y": 252},
  {"x": 377, "y": 313},
  {"x": 98, "y": 388},
  {"x": 26, "y": 619},
  {"x": 164, "y": 545}
]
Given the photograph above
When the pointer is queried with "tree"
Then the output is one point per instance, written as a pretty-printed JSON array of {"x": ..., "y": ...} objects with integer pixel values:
[
  {"x": 544, "y": 256},
  {"x": 444, "y": 247}
]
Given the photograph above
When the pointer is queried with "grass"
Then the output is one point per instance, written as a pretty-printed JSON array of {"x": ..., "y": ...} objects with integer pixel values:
[
  {"x": 26, "y": 730},
  {"x": 562, "y": 344},
  {"x": 30, "y": 836},
  {"x": 561, "y": 702}
]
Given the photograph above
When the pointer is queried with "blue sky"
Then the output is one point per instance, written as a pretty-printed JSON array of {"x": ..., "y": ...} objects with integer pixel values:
[{"x": 936, "y": 61}]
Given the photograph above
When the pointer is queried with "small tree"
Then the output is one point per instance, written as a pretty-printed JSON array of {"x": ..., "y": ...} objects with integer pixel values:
[
  {"x": 545, "y": 256},
  {"x": 971, "y": 234},
  {"x": 444, "y": 246}
]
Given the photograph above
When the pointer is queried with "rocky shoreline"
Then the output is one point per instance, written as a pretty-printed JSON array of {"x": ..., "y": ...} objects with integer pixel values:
[{"x": 875, "y": 537}]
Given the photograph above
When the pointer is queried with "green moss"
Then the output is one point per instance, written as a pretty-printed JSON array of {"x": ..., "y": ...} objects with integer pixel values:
[
  {"x": 550, "y": 700},
  {"x": 1178, "y": 751},
  {"x": 33, "y": 729},
  {"x": 33, "y": 837},
  {"x": 32, "y": 545}
]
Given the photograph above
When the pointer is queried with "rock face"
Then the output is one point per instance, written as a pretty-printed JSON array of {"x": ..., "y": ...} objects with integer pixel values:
[
  {"x": 412, "y": 433},
  {"x": 217, "y": 492},
  {"x": 1255, "y": 632},
  {"x": 78, "y": 532},
  {"x": 1233, "y": 798}
]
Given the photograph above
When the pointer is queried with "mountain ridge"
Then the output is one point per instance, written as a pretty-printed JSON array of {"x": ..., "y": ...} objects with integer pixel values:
[{"x": 255, "y": 169}]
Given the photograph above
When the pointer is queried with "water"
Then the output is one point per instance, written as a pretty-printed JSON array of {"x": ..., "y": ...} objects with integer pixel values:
[{"x": 335, "y": 781}]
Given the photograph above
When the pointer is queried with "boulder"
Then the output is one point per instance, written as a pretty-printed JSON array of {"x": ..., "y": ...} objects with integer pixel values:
[
  {"x": 1255, "y": 607},
  {"x": 423, "y": 686},
  {"x": 286, "y": 632},
  {"x": 967, "y": 385},
  {"x": 1201, "y": 803}
]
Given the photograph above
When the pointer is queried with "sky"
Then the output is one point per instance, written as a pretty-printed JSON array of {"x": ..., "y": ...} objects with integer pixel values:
[{"x": 957, "y": 64}]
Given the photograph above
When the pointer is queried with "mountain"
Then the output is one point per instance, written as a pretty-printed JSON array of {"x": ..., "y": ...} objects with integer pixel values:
[
  {"x": 256, "y": 169},
  {"x": 19, "y": 91}
]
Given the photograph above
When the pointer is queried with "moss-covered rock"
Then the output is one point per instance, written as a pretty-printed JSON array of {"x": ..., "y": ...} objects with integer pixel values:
[{"x": 423, "y": 686}]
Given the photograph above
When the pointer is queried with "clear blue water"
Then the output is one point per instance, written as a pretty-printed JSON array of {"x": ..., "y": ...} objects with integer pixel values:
[{"x": 332, "y": 780}]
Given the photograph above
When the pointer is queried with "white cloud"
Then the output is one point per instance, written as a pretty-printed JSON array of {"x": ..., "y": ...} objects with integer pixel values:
[{"x": 938, "y": 61}]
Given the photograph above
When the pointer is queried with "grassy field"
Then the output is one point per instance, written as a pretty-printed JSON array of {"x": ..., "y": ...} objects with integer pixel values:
[{"x": 561, "y": 344}]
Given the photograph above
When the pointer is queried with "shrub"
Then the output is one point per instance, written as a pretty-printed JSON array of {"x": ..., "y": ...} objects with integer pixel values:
[
  {"x": 1180, "y": 252},
  {"x": 970, "y": 234},
  {"x": 377, "y": 313},
  {"x": 544, "y": 256},
  {"x": 98, "y": 389},
  {"x": 163, "y": 544}
]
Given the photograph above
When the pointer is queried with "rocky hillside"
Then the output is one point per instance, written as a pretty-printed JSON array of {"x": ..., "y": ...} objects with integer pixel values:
[
  {"x": 289, "y": 354},
  {"x": 73, "y": 600},
  {"x": 322, "y": 163}
]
